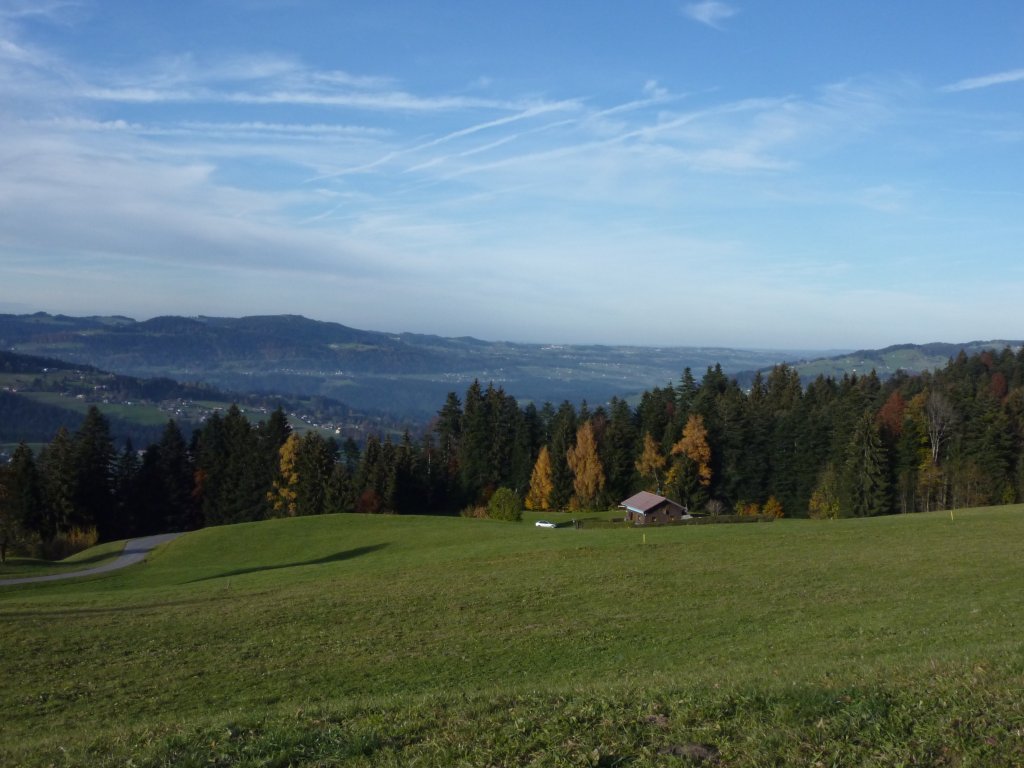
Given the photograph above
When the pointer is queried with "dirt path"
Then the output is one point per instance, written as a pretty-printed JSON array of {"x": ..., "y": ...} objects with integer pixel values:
[{"x": 135, "y": 551}]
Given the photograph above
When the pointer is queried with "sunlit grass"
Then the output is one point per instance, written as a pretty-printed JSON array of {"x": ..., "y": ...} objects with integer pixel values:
[{"x": 391, "y": 640}]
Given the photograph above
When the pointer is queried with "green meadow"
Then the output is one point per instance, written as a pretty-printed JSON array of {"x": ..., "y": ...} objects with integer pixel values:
[{"x": 418, "y": 641}]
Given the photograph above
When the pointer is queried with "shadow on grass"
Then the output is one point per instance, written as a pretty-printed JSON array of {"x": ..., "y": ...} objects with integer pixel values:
[{"x": 337, "y": 557}]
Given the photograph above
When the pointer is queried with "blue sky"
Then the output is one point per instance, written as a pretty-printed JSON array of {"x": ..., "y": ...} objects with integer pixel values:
[{"x": 794, "y": 174}]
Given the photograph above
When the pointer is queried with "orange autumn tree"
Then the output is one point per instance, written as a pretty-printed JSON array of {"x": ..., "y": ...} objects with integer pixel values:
[
  {"x": 651, "y": 464},
  {"x": 693, "y": 445},
  {"x": 691, "y": 473},
  {"x": 541, "y": 484},
  {"x": 588, "y": 474}
]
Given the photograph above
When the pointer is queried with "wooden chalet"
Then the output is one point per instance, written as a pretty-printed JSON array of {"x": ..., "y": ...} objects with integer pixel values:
[{"x": 645, "y": 508}]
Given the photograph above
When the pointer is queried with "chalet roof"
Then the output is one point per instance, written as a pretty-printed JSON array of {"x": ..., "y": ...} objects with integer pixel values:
[{"x": 645, "y": 501}]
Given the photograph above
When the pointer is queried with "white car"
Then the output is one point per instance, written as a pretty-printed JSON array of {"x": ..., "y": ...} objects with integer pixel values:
[{"x": 545, "y": 524}]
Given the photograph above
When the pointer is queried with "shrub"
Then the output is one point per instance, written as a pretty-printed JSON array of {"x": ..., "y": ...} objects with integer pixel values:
[
  {"x": 748, "y": 509},
  {"x": 505, "y": 504},
  {"x": 66, "y": 544},
  {"x": 772, "y": 508}
]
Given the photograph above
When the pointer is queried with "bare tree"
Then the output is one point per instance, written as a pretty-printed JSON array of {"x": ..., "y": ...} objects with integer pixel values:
[{"x": 941, "y": 418}]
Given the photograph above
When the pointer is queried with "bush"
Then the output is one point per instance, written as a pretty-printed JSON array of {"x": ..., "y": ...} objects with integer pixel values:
[
  {"x": 505, "y": 504},
  {"x": 748, "y": 508},
  {"x": 772, "y": 508},
  {"x": 66, "y": 544}
]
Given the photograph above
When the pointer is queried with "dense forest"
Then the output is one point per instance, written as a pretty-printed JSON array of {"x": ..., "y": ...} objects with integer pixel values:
[{"x": 849, "y": 447}]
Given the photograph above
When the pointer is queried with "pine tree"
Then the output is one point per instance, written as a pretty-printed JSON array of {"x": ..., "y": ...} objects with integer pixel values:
[
  {"x": 563, "y": 436},
  {"x": 94, "y": 461},
  {"x": 314, "y": 464},
  {"x": 865, "y": 486},
  {"x": 618, "y": 447},
  {"x": 125, "y": 489},
  {"x": 525, "y": 445},
  {"x": 476, "y": 444},
  {"x": 448, "y": 429},
  {"x": 178, "y": 479},
  {"x": 372, "y": 477},
  {"x": 21, "y": 500},
  {"x": 58, "y": 472}
]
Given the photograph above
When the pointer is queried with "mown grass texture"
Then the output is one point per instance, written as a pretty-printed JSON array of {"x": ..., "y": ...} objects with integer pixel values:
[{"x": 355, "y": 640}]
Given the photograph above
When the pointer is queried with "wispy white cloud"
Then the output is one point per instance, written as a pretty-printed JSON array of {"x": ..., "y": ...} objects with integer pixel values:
[
  {"x": 710, "y": 12},
  {"x": 382, "y": 101},
  {"x": 985, "y": 81},
  {"x": 526, "y": 114},
  {"x": 21, "y": 9}
]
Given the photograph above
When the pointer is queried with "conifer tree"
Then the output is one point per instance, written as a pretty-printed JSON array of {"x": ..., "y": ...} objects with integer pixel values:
[
  {"x": 314, "y": 463},
  {"x": 525, "y": 444},
  {"x": 21, "y": 500},
  {"x": 178, "y": 481},
  {"x": 692, "y": 470},
  {"x": 865, "y": 486},
  {"x": 588, "y": 474},
  {"x": 541, "y": 485},
  {"x": 282, "y": 494},
  {"x": 94, "y": 461},
  {"x": 651, "y": 464},
  {"x": 563, "y": 436},
  {"x": 618, "y": 447},
  {"x": 125, "y": 488},
  {"x": 477, "y": 443},
  {"x": 58, "y": 471}
]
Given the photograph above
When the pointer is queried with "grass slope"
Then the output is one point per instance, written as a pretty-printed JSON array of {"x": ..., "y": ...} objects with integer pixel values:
[
  {"x": 21, "y": 567},
  {"x": 357, "y": 640}
]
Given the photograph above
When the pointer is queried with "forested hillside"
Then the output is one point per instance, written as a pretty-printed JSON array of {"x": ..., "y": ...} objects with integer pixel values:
[
  {"x": 39, "y": 395},
  {"x": 405, "y": 374},
  {"x": 849, "y": 447}
]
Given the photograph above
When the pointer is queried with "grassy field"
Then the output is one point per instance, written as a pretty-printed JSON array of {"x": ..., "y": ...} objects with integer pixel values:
[
  {"x": 388, "y": 641},
  {"x": 20, "y": 567}
]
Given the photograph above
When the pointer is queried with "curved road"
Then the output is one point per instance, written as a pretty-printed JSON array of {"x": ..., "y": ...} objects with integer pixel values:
[{"x": 135, "y": 551}]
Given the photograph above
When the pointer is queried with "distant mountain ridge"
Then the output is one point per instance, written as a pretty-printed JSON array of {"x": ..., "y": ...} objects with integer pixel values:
[
  {"x": 909, "y": 358},
  {"x": 405, "y": 374}
]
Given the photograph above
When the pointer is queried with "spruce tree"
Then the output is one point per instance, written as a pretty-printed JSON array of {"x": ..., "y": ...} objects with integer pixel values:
[
  {"x": 563, "y": 437},
  {"x": 94, "y": 462},
  {"x": 865, "y": 482},
  {"x": 22, "y": 514}
]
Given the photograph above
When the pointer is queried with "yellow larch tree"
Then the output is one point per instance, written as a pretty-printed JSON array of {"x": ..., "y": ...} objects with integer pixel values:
[
  {"x": 541, "y": 484},
  {"x": 694, "y": 446},
  {"x": 588, "y": 474},
  {"x": 651, "y": 463},
  {"x": 283, "y": 494}
]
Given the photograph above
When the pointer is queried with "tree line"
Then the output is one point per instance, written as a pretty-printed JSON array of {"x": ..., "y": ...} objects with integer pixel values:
[{"x": 852, "y": 446}]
